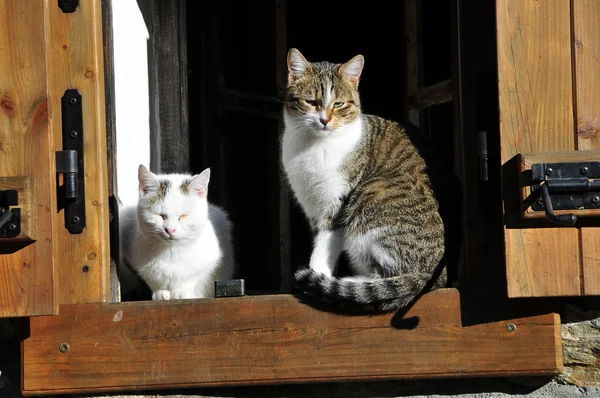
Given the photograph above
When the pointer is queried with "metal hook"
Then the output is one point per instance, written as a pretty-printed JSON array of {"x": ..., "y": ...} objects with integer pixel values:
[
  {"x": 5, "y": 217},
  {"x": 562, "y": 219}
]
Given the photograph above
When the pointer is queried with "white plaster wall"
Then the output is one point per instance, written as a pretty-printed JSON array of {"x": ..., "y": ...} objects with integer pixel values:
[{"x": 131, "y": 96}]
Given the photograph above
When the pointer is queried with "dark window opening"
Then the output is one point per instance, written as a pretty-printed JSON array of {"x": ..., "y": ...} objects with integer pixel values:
[{"x": 236, "y": 72}]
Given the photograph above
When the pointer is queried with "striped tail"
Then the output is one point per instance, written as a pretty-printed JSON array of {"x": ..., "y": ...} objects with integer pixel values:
[{"x": 369, "y": 294}]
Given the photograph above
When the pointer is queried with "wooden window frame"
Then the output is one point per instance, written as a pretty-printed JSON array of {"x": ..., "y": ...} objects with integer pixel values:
[{"x": 276, "y": 339}]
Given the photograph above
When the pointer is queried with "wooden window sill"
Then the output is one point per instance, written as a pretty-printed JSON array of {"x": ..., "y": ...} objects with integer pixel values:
[{"x": 274, "y": 339}]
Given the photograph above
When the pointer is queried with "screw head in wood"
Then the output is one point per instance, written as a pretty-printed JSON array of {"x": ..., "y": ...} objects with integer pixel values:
[
  {"x": 11, "y": 227},
  {"x": 595, "y": 199},
  {"x": 72, "y": 101},
  {"x": 584, "y": 170},
  {"x": 75, "y": 220},
  {"x": 64, "y": 347},
  {"x": 510, "y": 327},
  {"x": 549, "y": 171}
]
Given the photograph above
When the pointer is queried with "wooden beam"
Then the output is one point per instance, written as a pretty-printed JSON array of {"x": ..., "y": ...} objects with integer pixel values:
[
  {"x": 168, "y": 84},
  {"x": 77, "y": 54},
  {"x": 436, "y": 94},
  {"x": 274, "y": 340},
  {"x": 535, "y": 89},
  {"x": 29, "y": 274},
  {"x": 111, "y": 147},
  {"x": 411, "y": 48},
  {"x": 586, "y": 39}
]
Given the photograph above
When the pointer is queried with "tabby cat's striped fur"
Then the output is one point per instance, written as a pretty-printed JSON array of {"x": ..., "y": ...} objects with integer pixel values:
[{"x": 364, "y": 189}]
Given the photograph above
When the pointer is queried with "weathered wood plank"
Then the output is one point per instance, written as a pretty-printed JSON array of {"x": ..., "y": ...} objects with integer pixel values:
[
  {"x": 536, "y": 115},
  {"x": 411, "y": 50},
  {"x": 586, "y": 48},
  {"x": 168, "y": 84},
  {"x": 77, "y": 59},
  {"x": 28, "y": 274},
  {"x": 431, "y": 95},
  {"x": 271, "y": 340}
]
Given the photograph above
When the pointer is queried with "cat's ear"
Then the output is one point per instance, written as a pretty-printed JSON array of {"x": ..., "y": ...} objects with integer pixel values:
[
  {"x": 352, "y": 69},
  {"x": 297, "y": 64},
  {"x": 199, "y": 183},
  {"x": 148, "y": 181}
]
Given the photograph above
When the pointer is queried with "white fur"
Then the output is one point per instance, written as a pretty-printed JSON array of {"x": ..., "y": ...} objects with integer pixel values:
[
  {"x": 363, "y": 250},
  {"x": 327, "y": 249},
  {"x": 329, "y": 96},
  {"x": 312, "y": 157},
  {"x": 200, "y": 251}
]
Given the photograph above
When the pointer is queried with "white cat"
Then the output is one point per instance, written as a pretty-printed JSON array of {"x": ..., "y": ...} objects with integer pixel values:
[{"x": 176, "y": 241}]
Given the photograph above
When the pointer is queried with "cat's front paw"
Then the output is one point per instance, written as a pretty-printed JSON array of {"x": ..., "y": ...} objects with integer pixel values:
[
  {"x": 320, "y": 268},
  {"x": 161, "y": 295},
  {"x": 183, "y": 294}
]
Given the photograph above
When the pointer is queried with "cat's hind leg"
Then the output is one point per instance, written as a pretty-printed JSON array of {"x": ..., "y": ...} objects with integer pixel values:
[{"x": 366, "y": 254}]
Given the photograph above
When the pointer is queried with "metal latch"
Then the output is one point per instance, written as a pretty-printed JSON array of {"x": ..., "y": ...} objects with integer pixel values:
[
  {"x": 69, "y": 163},
  {"x": 566, "y": 186},
  {"x": 10, "y": 219}
]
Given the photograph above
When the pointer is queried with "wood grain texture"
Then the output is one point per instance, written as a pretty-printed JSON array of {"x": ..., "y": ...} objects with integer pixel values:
[
  {"x": 168, "y": 85},
  {"x": 536, "y": 115},
  {"x": 24, "y": 187},
  {"x": 271, "y": 340},
  {"x": 77, "y": 60},
  {"x": 28, "y": 274},
  {"x": 586, "y": 48}
]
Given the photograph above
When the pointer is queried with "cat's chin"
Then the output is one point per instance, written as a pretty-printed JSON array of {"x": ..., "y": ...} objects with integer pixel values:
[
  {"x": 173, "y": 239},
  {"x": 322, "y": 132}
]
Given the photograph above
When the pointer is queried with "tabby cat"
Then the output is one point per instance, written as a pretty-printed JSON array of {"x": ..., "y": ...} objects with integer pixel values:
[{"x": 363, "y": 187}]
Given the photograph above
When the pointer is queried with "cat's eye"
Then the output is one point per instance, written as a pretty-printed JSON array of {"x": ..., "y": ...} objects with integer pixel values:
[
  {"x": 311, "y": 102},
  {"x": 338, "y": 104},
  {"x": 182, "y": 216},
  {"x": 163, "y": 216}
]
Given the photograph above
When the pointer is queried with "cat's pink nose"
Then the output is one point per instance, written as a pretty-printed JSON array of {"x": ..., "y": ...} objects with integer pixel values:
[
  {"x": 324, "y": 121},
  {"x": 170, "y": 231}
]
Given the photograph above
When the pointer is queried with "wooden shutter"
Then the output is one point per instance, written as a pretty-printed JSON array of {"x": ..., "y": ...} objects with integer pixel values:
[
  {"x": 549, "y": 76},
  {"x": 45, "y": 51}
]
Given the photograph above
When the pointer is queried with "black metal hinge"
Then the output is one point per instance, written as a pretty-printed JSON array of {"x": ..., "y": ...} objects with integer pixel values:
[
  {"x": 68, "y": 6},
  {"x": 10, "y": 219},
  {"x": 69, "y": 163},
  {"x": 566, "y": 186},
  {"x": 482, "y": 146}
]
